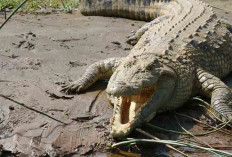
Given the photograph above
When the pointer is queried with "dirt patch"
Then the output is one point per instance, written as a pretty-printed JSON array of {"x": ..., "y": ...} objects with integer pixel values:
[
  {"x": 43, "y": 53},
  {"x": 46, "y": 51}
]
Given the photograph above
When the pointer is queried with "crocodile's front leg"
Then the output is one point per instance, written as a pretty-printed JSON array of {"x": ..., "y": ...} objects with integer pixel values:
[
  {"x": 99, "y": 70},
  {"x": 221, "y": 96}
]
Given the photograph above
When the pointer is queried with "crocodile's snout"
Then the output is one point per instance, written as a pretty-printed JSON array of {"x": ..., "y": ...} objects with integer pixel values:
[
  {"x": 121, "y": 89},
  {"x": 115, "y": 89}
]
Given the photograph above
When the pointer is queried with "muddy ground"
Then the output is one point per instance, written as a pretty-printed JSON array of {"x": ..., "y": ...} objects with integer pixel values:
[{"x": 39, "y": 53}]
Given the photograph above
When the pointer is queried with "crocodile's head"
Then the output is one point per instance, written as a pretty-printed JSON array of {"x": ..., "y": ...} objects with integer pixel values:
[{"x": 138, "y": 88}]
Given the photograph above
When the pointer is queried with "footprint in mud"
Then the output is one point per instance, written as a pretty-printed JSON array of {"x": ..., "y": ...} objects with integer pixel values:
[
  {"x": 76, "y": 64},
  {"x": 27, "y": 42},
  {"x": 2, "y": 116},
  {"x": 64, "y": 45},
  {"x": 27, "y": 63}
]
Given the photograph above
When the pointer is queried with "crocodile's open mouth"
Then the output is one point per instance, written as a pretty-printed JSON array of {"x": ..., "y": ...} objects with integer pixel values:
[{"x": 127, "y": 110}]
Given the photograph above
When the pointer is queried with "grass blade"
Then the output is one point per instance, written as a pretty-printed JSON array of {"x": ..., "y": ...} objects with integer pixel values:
[{"x": 13, "y": 12}]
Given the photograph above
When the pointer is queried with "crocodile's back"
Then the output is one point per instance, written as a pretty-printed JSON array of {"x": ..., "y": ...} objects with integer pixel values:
[
  {"x": 191, "y": 35},
  {"x": 214, "y": 51}
]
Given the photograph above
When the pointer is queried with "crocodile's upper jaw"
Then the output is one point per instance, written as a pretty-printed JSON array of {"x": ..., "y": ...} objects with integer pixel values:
[{"x": 127, "y": 111}]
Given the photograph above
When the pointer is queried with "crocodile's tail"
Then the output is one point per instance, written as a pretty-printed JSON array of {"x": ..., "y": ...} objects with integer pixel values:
[{"x": 145, "y": 10}]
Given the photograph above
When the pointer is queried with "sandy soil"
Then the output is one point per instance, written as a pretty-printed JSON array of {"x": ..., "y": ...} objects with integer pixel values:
[{"x": 40, "y": 53}]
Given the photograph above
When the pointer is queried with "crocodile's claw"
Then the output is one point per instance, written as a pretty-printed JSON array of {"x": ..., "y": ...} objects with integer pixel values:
[
  {"x": 75, "y": 87},
  {"x": 132, "y": 39}
]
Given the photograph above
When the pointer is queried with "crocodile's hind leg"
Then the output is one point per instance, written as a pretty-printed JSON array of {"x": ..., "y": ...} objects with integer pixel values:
[
  {"x": 134, "y": 36},
  {"x": 221, "y": 95},
  {"x": 98, "y": 70}
]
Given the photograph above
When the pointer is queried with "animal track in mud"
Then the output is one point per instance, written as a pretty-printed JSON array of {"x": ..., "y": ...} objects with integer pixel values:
[
  {"x": 2, "y": 116},
  {"x": 27, "y": 63},
  {"x": 64, "y": 42},
  {"x": 28, "y": 41},
  {"x": 76, "y": 64}
]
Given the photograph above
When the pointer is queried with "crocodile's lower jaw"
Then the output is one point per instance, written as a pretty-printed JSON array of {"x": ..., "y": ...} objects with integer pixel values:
[{"x": 127, "y": 111}]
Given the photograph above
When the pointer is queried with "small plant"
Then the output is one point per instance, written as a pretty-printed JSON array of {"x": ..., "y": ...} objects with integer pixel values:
[
  {"x": 70, "y": 5},
  {"x": 34, "y": 5}
]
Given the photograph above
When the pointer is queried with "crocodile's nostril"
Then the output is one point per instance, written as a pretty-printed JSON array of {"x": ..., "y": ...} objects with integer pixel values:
[{"x": 113, "y": 90}]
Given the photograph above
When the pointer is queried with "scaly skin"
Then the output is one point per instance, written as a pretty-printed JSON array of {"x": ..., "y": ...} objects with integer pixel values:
[{"x": 183, "y": 51}]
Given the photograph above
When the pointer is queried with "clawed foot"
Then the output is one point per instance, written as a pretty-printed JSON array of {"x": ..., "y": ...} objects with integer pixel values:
[
  {"x": 75, "y": 87},
  {"x": 132, "y": 39}
]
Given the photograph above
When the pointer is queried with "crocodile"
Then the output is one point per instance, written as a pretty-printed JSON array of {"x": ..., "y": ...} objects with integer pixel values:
[{"x": 183, "y": 50}]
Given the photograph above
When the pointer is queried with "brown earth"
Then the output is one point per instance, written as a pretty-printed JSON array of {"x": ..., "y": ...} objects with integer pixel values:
[{"x": 39, "y": 53}]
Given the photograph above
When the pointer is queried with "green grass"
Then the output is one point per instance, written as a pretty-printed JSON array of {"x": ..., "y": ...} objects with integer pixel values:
[{"x": 40, "y": 5}]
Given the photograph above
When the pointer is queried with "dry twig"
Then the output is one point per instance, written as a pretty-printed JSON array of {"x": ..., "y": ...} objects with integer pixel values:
[
  {"x": 22, "y": 104},
  {"x": 169, "y": 146}
]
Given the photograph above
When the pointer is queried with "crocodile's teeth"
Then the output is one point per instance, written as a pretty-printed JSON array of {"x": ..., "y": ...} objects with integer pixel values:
[
  {"x": 128, "y": 110},
  {"x": 132, "y": 110}
]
